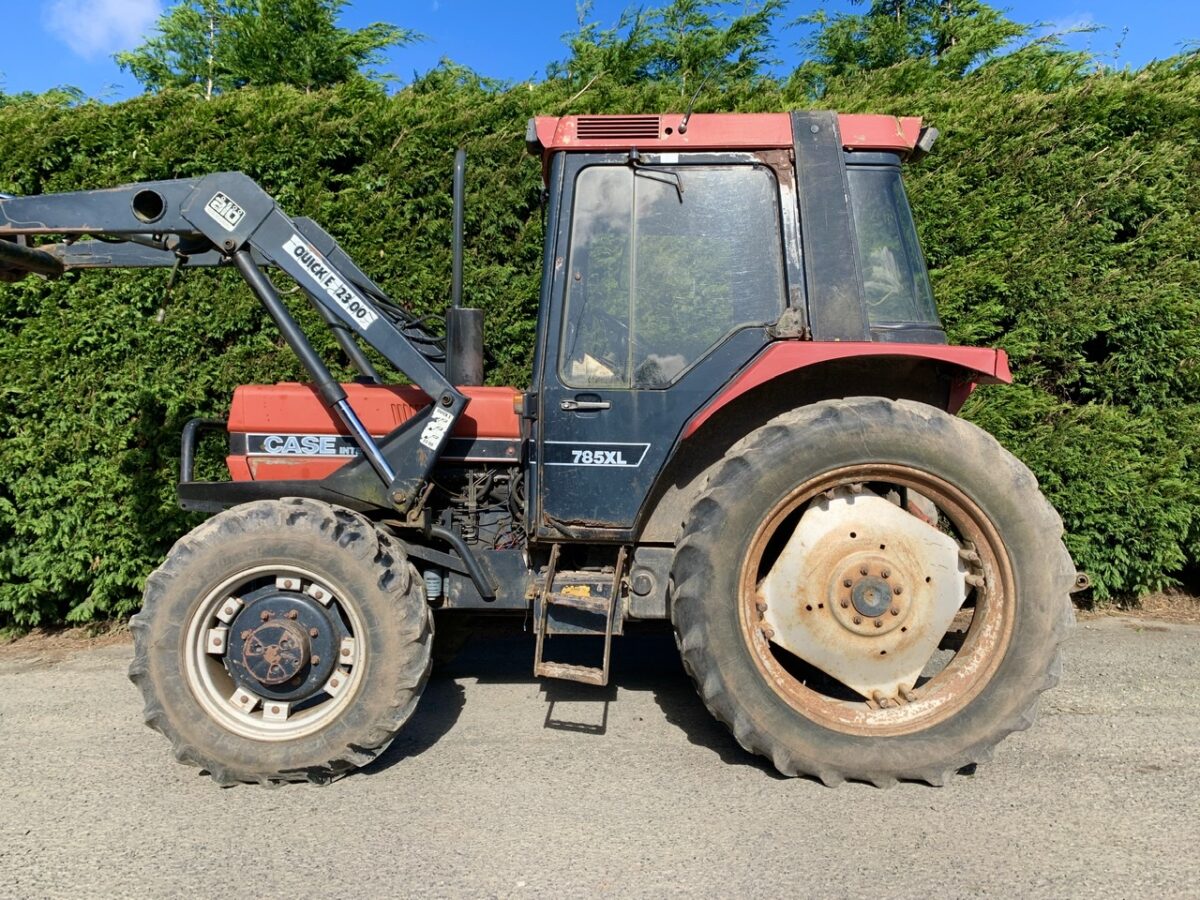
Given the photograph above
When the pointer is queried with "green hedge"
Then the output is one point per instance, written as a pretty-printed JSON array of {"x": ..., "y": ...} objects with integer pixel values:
[{"x": 1059, "y": 215}]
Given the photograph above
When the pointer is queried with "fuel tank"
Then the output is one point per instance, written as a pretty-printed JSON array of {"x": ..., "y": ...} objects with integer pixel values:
[{"x": 284, "y": 431}]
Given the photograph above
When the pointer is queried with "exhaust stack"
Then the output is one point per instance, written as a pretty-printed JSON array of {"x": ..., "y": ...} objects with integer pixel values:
[{"x": 464, "y": 327}]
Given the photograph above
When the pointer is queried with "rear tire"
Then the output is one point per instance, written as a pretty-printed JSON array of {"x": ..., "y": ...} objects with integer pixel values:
[
  {"x": 326, "y": 580},
  {"x": 768, "y": 699}
]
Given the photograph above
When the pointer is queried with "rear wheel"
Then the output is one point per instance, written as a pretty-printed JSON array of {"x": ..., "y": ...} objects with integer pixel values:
[
  {"x": 281, "y": 641},
  {"x": 873, "y": 590}
]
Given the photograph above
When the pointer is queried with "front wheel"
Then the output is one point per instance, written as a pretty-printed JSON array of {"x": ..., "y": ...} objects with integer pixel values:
[
  {"x": 871, "y": 589},
  {"x": 281, "y": 641}
]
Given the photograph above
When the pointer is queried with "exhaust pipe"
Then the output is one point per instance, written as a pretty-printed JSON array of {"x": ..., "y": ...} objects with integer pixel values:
[{"x": 464, "y": 327}]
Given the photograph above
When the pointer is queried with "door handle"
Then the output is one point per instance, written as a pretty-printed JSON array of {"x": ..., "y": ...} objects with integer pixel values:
[{"x": 583, "y": 405}]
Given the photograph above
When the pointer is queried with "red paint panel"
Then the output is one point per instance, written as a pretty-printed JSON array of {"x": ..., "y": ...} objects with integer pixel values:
[
  {"x": 291, "y": 408},
  {"x": 862, "y": 132},
  {"x": 279, "y": 468},
  {"x": 987, "y": 366},
  {"x": 719, "y": 131}
]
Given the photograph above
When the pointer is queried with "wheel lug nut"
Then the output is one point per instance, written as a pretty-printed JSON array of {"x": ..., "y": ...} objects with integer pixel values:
[
  {"x": 845, "y": 604},
  {"x": 886, "y": 573},
  {"x": 862, "y": 570},
  {"x": 345, "y": 651},
  {"x": 846, "y": 582},
  {"x": 312, "y": 632},
  {"x": 897, "y": 590},
  {"x": 895, "y": 610},
  {"x": 264, "y": 615},
  {"x": 316, "y": 660},
  {"x": 858, "y": 620},
  {"x": 293, "y": 614},
  {"x": 879, "y": 623}
]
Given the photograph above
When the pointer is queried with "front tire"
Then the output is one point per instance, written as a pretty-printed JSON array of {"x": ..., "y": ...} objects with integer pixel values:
[
  {"x": 920, "y": 478},
  {"x": 282, "y": 641}
]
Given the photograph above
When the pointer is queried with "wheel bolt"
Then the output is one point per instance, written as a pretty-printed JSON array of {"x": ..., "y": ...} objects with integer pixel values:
[
  {"x": 345, "y": 651},
  {"x": 228, "y": 611},
  {"x": 862, "y": 570},
  {"x": 316, "y": 660},
  {"x": 858, "y": 620},
  {"x": 760, "y": 606},
  {"x": 886, "y": 573},
  {"x": 275, "y": 710},
  {"x": 264, "y": 615},
  {"x": 846, "y": 582},
  {"x": 292, "y": 614},
  {"x": 897, "y": 590},
  {"x": 895, "y": 610},
  {"x": 845, "y": 604},
  {"x": 312, "y": 632},
  {"x": 879, "y": 623}
]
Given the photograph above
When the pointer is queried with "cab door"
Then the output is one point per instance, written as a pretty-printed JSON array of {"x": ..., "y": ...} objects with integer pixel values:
[{"x": 670, "y": 274}]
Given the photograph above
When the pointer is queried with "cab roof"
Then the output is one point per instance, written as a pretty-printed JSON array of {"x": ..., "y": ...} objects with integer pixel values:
[{"x": 710, "y": 131}]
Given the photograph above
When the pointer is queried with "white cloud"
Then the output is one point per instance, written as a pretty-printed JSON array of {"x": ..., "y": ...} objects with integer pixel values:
[{"x": 93, "y": 28}]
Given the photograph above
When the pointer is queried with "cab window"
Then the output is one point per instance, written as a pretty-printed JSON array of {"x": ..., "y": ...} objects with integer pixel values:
[{"x": 664, "y": 263}]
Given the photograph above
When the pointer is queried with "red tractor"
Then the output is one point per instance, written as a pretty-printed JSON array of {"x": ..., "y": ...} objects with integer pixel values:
[{"x": 740, "y": 418}]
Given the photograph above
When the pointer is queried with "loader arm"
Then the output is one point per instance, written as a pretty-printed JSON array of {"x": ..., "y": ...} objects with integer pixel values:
[{"x": 227, "y": 219}]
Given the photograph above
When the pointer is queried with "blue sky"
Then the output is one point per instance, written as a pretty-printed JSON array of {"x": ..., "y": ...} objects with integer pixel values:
[{"x": 70, "y": 42}]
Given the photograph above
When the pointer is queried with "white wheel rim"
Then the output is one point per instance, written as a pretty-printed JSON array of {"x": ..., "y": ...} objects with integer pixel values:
[{"x": 268, "y": 720}]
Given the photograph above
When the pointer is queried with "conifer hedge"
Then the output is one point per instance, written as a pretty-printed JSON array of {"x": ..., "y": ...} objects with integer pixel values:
[{"x": 1060, "y": 214}]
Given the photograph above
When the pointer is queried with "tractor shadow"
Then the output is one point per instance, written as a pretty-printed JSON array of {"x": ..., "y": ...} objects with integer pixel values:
[
  {"x": 645, "y": 660},
  {"x": 439, "y": 708}
]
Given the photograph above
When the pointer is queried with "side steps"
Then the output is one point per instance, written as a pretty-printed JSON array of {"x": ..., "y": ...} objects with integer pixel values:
[{"x": 594, "y": 605}]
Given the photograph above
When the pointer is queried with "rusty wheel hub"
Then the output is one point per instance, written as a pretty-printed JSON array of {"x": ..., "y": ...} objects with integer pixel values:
[
  {"x": 276, "y": 651},
  {"x": 871, "y": 595}
]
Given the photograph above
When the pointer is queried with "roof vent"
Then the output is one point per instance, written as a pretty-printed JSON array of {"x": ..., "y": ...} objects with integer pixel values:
[{"x": 617, "y": 128}]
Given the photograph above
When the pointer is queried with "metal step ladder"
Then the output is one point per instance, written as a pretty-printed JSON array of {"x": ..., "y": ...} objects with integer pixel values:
[{"x": 599, "y": 606}]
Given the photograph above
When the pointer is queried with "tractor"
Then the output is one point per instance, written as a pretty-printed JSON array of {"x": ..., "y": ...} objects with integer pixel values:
[{"x": 740, "y": 418}]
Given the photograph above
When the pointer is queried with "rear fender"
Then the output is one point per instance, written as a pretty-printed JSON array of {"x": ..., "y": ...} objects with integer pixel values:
[
  {"x": 973, "y": 365},
  {"x": 790, "y": 374}
]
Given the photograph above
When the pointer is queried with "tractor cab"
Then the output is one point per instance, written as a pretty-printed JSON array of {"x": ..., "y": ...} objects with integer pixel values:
[{"x": 676, "y": 253}]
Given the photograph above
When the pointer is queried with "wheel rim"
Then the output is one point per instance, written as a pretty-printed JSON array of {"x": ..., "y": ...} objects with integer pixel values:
[
  {"x": 968, "y": 651},
  {"x": 273, "y": 653}
]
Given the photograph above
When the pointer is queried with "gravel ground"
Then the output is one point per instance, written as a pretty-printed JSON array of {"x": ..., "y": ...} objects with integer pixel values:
[{"x": 504, "y": 786}]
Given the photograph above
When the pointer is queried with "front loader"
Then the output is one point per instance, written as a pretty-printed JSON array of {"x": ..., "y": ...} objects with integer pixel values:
[{"x": 740, "y": 418}]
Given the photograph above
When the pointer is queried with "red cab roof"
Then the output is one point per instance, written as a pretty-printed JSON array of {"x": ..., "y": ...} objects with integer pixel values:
[{"x": 712, "y": 131}]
